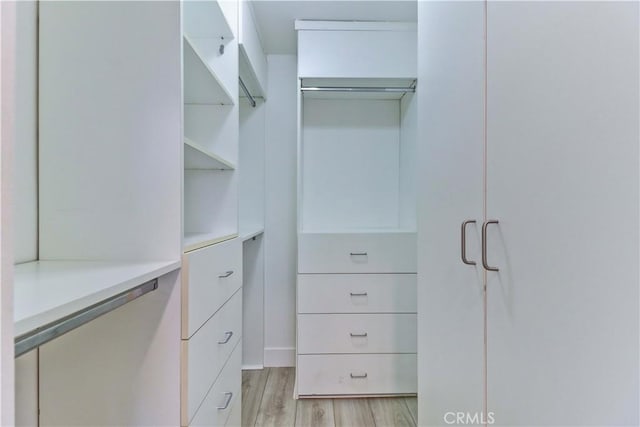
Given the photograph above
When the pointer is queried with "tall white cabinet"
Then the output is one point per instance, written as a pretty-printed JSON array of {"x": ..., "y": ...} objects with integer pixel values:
[
  {"x": 543, "y": 329},
  {"x": 356, "y": 313}
]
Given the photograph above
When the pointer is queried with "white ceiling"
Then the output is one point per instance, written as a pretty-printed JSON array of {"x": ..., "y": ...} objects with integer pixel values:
[{"x": 276, "y": 18}]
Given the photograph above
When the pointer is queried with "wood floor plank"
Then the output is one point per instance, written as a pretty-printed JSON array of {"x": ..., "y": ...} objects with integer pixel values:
[
  {"x": 412, "y": 404},
  {"x": 391, "y": 411},
  {"x": 253, "y": 384},
  {"x": 278, "y": 408},
  {"x": 352, "y": 413},
  {"x": 314, "y": 413}
]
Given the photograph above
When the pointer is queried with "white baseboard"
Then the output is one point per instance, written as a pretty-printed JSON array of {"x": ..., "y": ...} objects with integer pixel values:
[
  {"x": 252, "y": 367},
  {"x": 278, "y": 357}
]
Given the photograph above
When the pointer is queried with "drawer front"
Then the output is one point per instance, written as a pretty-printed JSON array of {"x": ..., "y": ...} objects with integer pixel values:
[
  {"x": 359, "y": 374},
  {"x": 357, "y": 253},
  {"x": 206, "y": 352},
  {"x": 210, "y": 276},
  {"x": 223, "y": 396},
  {"x": 357, "y": 333},
  {"x": 357, "y": 293}
]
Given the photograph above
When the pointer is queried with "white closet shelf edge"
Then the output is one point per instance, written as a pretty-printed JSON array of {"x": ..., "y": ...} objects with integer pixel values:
[
  {"x": 46, "y": 291},
  {"x": 197, "y": 156},
  {"x": 250, "y": 232},
  {"x": 193, "y": 241},
  {"x": 201, "y": 83}
]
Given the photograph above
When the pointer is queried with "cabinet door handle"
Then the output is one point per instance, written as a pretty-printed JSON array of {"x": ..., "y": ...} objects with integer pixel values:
[
  {"x": 485, "y": 264},
  {"x": 225, "y": 275},
  {"x": 358, "y": 335},
  {"x": 359, "y": 294},
  {"x": 227, "y": 337},
  {"x": 463, "y": 242},
  {"x": 226, "y": 404},
  {"x": 358, "y": 253},
  {"x": 358, "y": 376}
]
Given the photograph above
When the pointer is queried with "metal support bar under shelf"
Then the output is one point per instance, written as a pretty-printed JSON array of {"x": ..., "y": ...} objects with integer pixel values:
[{"x": 27, "y": 342}]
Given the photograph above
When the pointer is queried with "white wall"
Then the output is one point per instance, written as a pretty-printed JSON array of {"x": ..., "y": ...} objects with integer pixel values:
[
  {"x": 25, "y": 210},
  {"x": 280, "y": 211}
]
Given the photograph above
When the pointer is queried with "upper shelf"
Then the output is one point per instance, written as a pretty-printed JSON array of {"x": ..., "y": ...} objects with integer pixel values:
[
  {"x": 48, "y": 291},
  {"x": 198, "y": 157},
  {"x": 205, "y": 19},
  {"x": 201, "y": 84}
]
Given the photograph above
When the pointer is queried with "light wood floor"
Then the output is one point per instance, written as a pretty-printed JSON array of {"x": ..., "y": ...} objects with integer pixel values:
[{"x": 267, "y": 400}]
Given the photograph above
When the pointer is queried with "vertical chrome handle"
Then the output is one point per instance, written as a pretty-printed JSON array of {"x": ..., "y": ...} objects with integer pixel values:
[
  {"x": 463, "y": 242},
  {"x": 485, "y": 264},
  {"x": 225, "y": 275},
  {"x": 226, "y": 404},
  {"x": 228, "y": 336},
  {"x": 358, "y": 376}
]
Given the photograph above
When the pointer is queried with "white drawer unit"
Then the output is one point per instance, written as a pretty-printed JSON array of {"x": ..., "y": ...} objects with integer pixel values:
[
  {"x": 205, "y": 353},
  {"x": 393, "y": 252},
  {"x": 357, "y": 293},
  {"x": 224, "y": 395},
  {"x": 357, "y": 374},
  {"x": 357, "y": 333},
  {"x": 209, "y": 277}
]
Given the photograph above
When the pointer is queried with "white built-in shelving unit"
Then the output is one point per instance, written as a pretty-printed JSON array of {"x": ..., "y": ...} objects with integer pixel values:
[
  {"x": 356, "y": 209},
  {"x": 108, "y": 228}
]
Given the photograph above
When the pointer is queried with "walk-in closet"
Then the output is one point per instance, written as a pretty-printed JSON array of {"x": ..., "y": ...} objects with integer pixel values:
[{"x": 311, "y": 213}]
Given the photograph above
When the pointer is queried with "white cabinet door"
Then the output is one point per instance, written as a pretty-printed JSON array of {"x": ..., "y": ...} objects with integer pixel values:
[
  {"x": 563, "y": 182},
  {"x": 450, "y": 152}
]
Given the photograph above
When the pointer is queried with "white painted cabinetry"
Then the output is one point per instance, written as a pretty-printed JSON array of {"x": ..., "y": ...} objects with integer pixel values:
[
  {"x": 532, "y": 120},
  {"x": 356, "y": 322}
]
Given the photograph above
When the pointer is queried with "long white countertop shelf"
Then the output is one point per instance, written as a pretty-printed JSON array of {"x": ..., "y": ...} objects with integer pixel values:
[
  {"x": 47, "y": 291},
  {"x": 250, "y": 232},
  {"x": 193, "y": 241}
]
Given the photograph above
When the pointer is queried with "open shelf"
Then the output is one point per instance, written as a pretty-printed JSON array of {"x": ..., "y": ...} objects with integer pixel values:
[
  {"x": 201, "y": 84},
  {"x": 250, "y": 232},
  {"x": 193, "y": 241},
  {"x": 198, "y": 157},
  {"x": 47, "y": 291}
]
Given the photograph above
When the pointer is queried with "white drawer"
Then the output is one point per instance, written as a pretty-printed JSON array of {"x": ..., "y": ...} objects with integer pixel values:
[
  {"x": 357, "y": 333},
  {"x": 357, "y": 293},
  {"x": 358, "y": 374},
  {"x": 357, "y": 253},
  {"x": 223, "y": 396},
  {"x": 235, "y": 417},
  {"x": 209, "y": 277},
  {"x": 206, "y": 352}
]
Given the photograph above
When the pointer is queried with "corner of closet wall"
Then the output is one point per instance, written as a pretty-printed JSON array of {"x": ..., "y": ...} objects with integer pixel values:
[{"x": 356, "y": 223}]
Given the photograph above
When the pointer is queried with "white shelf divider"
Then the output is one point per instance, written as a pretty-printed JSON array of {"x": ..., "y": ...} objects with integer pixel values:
[
  {"x": 193, "y": 241},
  {"x": 206, "y": 19},
  {"x": 47, "y": 291},
  {"x": 201, "y": 84},
  {"x": 197, "y": 156}
]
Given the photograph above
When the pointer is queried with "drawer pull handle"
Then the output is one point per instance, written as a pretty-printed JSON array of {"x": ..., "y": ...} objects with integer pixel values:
[
  {"x": 228, "y": 336},
  {"x": 225, "y": 275},
  {"x": 359, "y": 376},
  {"x": 360, "y": 294},
  {"x": 226, "y": 404},
  {"x": 358, "y": 253},
  {"x": 358, "y": 335}
]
